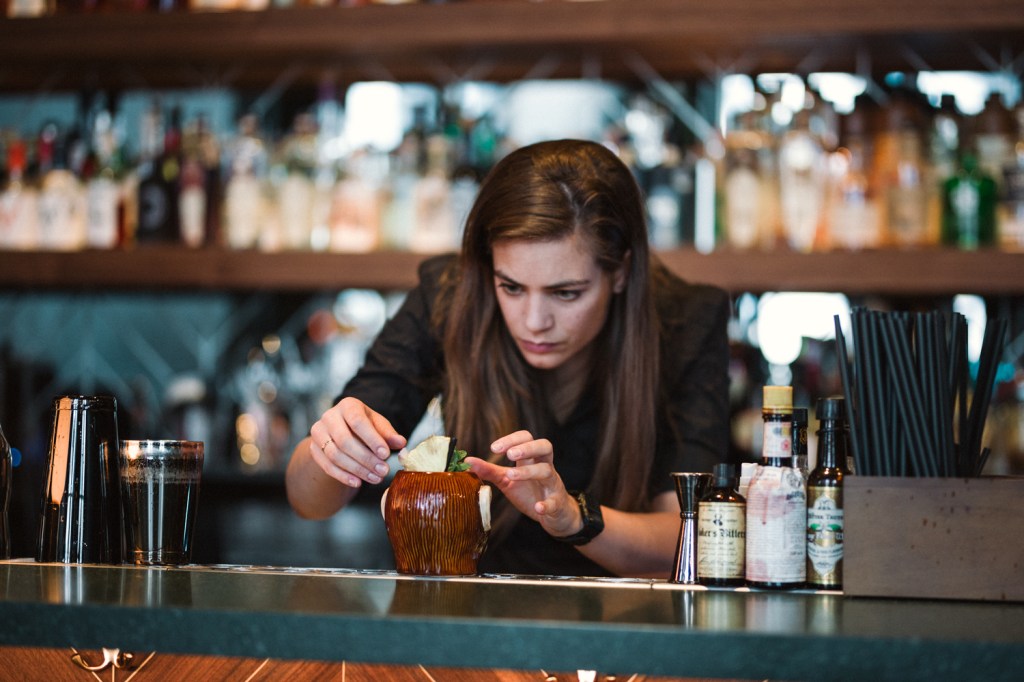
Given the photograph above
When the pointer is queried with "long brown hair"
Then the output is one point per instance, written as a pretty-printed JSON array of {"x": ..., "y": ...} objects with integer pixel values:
[{"x": 548, "y": 191}]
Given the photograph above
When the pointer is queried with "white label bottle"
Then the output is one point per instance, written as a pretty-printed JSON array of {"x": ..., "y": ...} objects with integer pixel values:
[{"x": 776, "y": 502}]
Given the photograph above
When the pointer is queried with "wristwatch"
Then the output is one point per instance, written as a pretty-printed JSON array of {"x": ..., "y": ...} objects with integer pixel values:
[{"x": 593, "y": 522}]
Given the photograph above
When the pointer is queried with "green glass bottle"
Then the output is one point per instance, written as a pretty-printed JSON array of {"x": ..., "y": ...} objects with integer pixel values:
[{"x": 969, "y": 207}]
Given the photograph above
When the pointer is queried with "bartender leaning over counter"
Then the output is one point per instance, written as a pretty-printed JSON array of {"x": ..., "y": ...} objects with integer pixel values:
[{"x": 569, "y": 360}]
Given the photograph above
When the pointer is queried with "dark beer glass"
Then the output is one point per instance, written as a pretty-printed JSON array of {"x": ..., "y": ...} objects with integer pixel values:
[
  {"x": 81, "y": 506},
  {"x": 160, "y": 492}
]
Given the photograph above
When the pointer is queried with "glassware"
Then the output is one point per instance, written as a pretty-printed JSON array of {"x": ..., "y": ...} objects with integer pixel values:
[
  {"x": 81, "y": 505},
  {"x": 160, "y": 491}
]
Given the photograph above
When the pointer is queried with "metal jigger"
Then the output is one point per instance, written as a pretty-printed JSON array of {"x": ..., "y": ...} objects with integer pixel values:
[{"x": 690, "y": 487}]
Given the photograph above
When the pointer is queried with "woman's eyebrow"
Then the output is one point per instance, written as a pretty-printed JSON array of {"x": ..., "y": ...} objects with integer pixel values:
[{"x": 564, "y": 284}]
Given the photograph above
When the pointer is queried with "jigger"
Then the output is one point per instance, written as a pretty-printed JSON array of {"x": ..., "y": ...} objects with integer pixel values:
[{"x": 690, "y": 487}]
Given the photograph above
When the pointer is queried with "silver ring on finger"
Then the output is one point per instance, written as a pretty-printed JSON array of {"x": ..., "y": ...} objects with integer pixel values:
[{"x": 326, "y": 443}]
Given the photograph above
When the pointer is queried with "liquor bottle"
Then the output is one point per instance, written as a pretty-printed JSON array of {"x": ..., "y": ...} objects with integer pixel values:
[
  {"x": 192, "y": 203},
  {"x": 244, "y": 205},
  {"x": 944, "y": 145},
  {"x": 969, "y": 207},
  {"x": 19, "y": 208},
  {"x": 747, "y": 194},
  {"x": 158, "y": 180},
  {"x": 944, "y": 139},
  {"x": 102, "y": 187},
  {"x": 296, "y": 193},
  {"x": 722, "y": 531},
  {"x": 433, "y": 229},
  {"x": 825, "y": 498},
  {"x": 355, "y": 219},
  {"x": 1011, "y": 231},
  {"x": 906, "y": 203},
  {"x": 62, "y": 202},
  {"x": 776, "y": 502},
  {"x": 802, "y": 184},
  {"x": 895, "y": 173},
  {"x": 800, "y": 440},
  {"x": 993, "y": 138},
  {"x": 30, "y": 8},
  {"x": 853, "y": 210}
]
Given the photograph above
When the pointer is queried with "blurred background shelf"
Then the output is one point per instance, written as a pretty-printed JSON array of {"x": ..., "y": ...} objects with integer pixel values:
[
  {"x": 923, "y": 272},
  {"x": 506, "y": 40}
]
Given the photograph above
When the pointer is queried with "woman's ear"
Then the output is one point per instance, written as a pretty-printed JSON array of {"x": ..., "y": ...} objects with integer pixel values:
[{"x": 621, "y": 274}]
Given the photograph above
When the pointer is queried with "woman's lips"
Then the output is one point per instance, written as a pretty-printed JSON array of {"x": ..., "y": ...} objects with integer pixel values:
[{"x": 537, "y": 348}]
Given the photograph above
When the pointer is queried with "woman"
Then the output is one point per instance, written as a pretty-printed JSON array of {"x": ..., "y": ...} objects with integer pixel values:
[{"x": 563, "y": 353}]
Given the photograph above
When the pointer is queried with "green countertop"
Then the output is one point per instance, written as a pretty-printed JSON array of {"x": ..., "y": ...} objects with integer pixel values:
[{"x": 646, "y": 626}]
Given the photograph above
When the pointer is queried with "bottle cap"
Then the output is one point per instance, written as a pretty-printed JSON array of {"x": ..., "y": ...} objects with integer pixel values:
[
  {"x": 833, "y": 407},
  {"x": 800, "y": 416},
  {"x": 725, "y": 475},
  {"x": 778, "y": 397}
]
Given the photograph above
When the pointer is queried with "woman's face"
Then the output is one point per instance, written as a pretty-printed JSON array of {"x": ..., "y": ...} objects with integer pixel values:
[{"x": 553, "y": 296}]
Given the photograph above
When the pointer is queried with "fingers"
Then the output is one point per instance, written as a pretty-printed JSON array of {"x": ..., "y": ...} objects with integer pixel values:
[
  {"x": 370, "y": 428},
  {"x": 487, "y": 471},
  {"x": 505, "y": 442},
  {"x": 520, "y": 447},
  {"x": 351, "y": 443}
]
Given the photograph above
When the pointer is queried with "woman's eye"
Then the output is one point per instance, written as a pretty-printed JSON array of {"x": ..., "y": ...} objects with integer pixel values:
[
  {"x": 567, "y": 294},
  {"x": 511, "y": 289}
]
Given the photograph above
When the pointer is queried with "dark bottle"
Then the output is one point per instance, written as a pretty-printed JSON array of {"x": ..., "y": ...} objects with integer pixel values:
[
  {"x": 158, "y": 180},
  {"x": 722, "y": 531},
  {"x": 825, "y": 498},
  {"x": 800, "y": 440}
]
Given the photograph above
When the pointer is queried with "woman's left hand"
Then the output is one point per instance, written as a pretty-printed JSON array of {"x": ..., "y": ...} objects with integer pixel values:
[{"x": 532, "y": 485}]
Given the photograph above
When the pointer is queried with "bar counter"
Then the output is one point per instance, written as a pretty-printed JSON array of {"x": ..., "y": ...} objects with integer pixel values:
[{"x": 646, "y": 626}]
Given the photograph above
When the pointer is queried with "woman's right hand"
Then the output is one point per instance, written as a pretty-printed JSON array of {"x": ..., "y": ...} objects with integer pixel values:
[{"x": 351, "y": 443}]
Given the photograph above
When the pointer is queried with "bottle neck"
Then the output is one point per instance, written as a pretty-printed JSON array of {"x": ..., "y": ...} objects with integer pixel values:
[
  {"x": 831, "y": 444},
  {"x": 777, "y": 444}
]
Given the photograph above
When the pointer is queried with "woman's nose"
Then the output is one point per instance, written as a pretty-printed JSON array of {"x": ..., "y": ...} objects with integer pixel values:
[{"x": 538, "y": 315}]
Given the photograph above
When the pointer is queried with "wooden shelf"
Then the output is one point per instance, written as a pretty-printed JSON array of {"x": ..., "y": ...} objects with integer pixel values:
[
  {"x": 909, "y": 273},
  {"x": 506, "y": 40}
]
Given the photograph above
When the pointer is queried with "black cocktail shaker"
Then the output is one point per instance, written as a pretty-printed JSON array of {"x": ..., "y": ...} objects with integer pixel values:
[
  {"x": 5, "y": 496},
  {"x": 81, "y": 505}
]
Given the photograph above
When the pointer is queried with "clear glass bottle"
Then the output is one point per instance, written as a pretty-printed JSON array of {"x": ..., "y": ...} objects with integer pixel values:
[
  {"x": 1011, "y": 227},
  {"x": 747, "y": 202},
  {"x": 853, "y": 209},
  {"x": 102, "y": 187},
  {"x": 802, "y": 184},
  {"x": 244, "y": 204},
  {"x": 776, "y": 502},
  {"x": 19, "y": 209},
  {"x": 722, "y": 531},
  {"x": 825, "y": 498},
  {"x": 62, "y": 200}
]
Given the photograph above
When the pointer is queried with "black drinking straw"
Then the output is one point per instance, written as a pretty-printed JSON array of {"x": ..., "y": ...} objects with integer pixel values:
[
  {"x": 959, "y": 370},
  {"x": 907, "y": 396},
  {"x": 851, "y": 409},
  {"x": 881, "y": 393},
  {"x": 944, "y": 425},
  {"x": 988, "y": 364}
]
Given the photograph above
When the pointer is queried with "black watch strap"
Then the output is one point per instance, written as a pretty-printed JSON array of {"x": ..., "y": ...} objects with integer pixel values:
[{"x": 593, "y": 521}]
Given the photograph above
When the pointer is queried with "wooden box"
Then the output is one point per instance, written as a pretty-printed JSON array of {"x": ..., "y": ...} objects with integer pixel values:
[{"x": 935, "y": 538}]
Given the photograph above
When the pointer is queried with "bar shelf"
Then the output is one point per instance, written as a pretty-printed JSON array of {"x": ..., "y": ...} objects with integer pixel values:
[{"x": 923, "y": 272}]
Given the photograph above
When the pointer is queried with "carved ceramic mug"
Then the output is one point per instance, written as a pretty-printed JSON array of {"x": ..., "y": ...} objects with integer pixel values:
[{"x": 437, "y": 522}]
